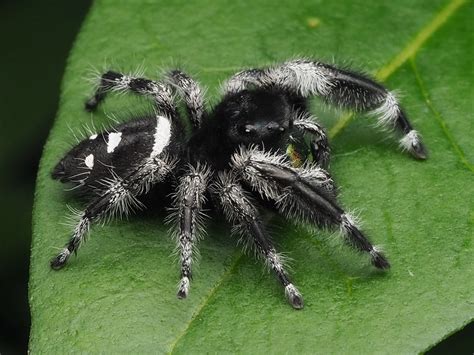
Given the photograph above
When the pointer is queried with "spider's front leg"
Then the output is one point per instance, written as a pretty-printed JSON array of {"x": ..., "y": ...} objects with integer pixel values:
[
  {"x": 305, "y": 193},
  {"x": 119, "y": 195},
  {"x": 240, "y": 211},
  {"x": 339, "y": 87},
  {"x": 187, "y": 213}
]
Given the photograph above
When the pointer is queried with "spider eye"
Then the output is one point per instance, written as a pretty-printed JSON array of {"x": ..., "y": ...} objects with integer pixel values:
[
  {"x": 275, "y": 127},
  {"x": 248, "y": 129}
]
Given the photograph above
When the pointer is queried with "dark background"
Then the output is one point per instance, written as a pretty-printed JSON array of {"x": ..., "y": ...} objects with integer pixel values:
[{"x": 35, "y": 38}]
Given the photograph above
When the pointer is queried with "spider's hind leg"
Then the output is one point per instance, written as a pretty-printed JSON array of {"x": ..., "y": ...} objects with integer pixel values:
[
  {"x": 119, "y": 196},
  {"x": 240, "y": 211},
  {"x": 115, "y": 81},
  {"x": 162, "y": 92}
]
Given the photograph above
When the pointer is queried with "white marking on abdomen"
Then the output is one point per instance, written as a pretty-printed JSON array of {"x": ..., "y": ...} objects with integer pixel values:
[
  {"x": 114, "y": 141},
  {"x": 89, "y": 161},
  {"x": 162, "y": 135},
  {"x": 94, "y": 136}
]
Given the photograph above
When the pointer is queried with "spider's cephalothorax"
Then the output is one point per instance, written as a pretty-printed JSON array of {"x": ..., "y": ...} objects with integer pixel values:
[{"x": 236, "y": 155}]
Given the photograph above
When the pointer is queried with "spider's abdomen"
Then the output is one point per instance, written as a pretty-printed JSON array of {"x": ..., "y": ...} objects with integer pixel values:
[{"x": 107, "y": 153}]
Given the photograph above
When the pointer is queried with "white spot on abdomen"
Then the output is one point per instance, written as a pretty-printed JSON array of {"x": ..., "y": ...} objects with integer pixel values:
[
  {"x": 94, "y": 136},
  {"x": 114, "y": 141},
  {"x": 162, "y": 135},
  {"x": 89, "y": 161}
]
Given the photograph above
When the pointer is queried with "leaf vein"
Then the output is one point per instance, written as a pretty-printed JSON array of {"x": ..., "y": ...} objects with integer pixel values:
[
  {"x": 409, "y": 51},
  {"x": 439, "y": 118},
  {"x": 237, "y": 258}
]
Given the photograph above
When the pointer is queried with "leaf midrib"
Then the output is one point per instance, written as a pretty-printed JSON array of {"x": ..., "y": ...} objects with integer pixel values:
[{"x": 409, "y": 51}]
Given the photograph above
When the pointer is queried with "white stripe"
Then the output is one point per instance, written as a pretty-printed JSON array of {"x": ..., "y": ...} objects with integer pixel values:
[
  {"x": 162, "y": 135},
  {"x": 114, "y": 141}
]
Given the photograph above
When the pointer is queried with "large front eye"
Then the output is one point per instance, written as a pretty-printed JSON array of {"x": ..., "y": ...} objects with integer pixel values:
[
  {"x": 275, "y": 127},
  {"x": 247, "y": 129}
]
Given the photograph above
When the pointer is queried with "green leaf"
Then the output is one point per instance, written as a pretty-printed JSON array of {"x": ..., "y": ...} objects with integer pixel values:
[{"x": 119, "y": 294}]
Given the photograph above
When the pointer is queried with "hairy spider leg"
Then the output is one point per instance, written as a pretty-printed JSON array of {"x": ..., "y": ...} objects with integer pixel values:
[
  {"x": 188, "y": 215},
  {"x": 176, "y": 81},
  {"x": 340, "y": 87},
  {"x": 191, "y": 93},
  {"x": 244, "y": 216},
  {"x": 119, "y": 197},
  {"x": 303, "y": 193},
  {"x": 319, "y": 144},
  {"x": 114, "y": 81}
]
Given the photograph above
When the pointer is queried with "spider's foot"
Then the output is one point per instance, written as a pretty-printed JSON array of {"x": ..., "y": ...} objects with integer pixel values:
[
  {"x": 412, "y": 143},
  {"x": 183, "y": 289},
  {"x": 294, "y": 296},
  {"x": 60, "y": 260},
  {"x": 378, "y": 259},
  {"x": 419, "y": 151}
]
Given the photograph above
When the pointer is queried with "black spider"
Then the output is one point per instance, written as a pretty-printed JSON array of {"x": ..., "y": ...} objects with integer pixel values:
[{"x": 236, "y": 154}]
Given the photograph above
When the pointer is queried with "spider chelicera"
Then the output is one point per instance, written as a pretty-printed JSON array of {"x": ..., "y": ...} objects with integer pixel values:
[{"x": 236, "y": 156}]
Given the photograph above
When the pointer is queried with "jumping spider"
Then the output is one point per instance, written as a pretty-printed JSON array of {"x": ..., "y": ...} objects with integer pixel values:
[{"x": 236, "y": 155}]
